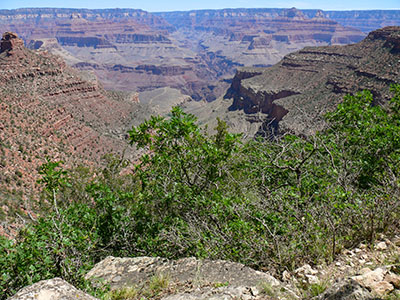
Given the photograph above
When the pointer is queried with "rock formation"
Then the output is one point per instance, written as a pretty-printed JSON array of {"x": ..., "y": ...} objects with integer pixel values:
[
  {"x": 54, "y": 289},
  {"x": 365, "y": 20},
  {"x": 119, "y": 272},
  {"x": 260, "y": 37},
  {"x": 50, "y": 109},
  {"x": 296, "y": 92},
  {"x": 10, "y": 42},
  {"x": 191, "y": 51},
  {"x": 347, "y": 289},
  {"x": 135, "y": 53}
]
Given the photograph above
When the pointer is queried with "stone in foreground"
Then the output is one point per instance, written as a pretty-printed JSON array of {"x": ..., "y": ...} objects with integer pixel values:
[
  {"x": 194, "y": 279},
  {"x": 119, "y": 272},
  {"x": 347, "y": 289},
  {"x": 53, "y": 289}
]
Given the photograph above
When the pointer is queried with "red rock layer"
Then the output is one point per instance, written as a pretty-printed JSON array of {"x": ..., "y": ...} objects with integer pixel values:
[{"x": 50, "y": 110}]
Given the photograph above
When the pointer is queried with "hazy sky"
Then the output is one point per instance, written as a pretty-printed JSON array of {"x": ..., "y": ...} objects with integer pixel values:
[{"x": 168, "y": 5}]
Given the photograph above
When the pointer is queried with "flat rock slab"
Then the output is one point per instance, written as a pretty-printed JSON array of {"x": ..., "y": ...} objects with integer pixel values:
[
  {"x": 52, "y": 289},
  {"x": 120, "y": 272},
  {"x": 222, "y": 293}
]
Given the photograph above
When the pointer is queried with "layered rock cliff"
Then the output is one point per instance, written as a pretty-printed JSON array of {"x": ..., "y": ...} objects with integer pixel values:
[
  {"x": 258, "y": 36},
  {"x": 366, "y": 20},
  {"x": 128, "y": 49},
  {"x": 50, "y": 109},
  {"x": 296, "y": 92},
  {"x": 194, "y": 52}
]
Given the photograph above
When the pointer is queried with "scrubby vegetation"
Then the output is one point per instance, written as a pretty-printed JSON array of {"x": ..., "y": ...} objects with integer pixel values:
[{"x": 273, "y": 204}]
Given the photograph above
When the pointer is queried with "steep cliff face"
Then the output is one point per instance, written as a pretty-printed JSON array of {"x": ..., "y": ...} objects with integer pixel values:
[
  {"x": 49, "y": 109},
  {"x": 129, "y": 50},
  {"x": 194, "y": 52},
  {"x": 32, "y": 15},
  {"x": 283, "y": 25},
  {"x": 257, "y": 37},
  {"x": 297, "y": 91},
  {"x": 365, "y": 20}
]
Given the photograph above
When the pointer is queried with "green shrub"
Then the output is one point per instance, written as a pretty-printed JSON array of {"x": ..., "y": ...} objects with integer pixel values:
[{"x": 266, "y": 204}]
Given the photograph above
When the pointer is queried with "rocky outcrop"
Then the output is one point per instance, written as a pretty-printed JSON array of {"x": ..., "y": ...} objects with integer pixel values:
[
  {"x": 138, "y": 38},
  {"x": 94, "y": 42},
  {"x": 119, "y": 272},
  {"x": 163, "y": 70},
  {"x": 381, "y": 280},
  {"x": 297, "y": 91},
  {"x": 10, "y": 42},
  {"x": 54, "y": 289},
  {"x": 369, "y": 284},
  {"x": 346, "y": 290},
  {"x": 187, "y": 278},
  {"x": 192, "y": 278},
  {"x": 391, "y": 37}
]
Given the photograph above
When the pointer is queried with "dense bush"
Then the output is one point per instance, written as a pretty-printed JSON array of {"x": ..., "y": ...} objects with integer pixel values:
[{"x": 273, "y": 204}]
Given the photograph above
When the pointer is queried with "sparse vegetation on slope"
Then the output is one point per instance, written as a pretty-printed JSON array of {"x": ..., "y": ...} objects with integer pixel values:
[{"x": 267, "y": 204}]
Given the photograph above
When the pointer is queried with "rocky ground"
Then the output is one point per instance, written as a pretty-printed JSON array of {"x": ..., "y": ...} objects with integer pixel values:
[{"x": 366, "y": 272}]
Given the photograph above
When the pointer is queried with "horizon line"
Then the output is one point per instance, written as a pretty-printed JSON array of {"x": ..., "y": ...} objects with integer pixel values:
[{"x": 200, "y": 9}]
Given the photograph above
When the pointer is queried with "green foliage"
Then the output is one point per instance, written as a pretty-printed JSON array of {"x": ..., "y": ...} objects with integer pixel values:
[
  {"x": 123, "y": 294},
  {"x": 277, "y": 204},
  {"x": 314, "y": 290},
  {"x": 156, "y": 286},
  {"x": 185, "y": 204},
  {"x": 53, "y": 176},
  {"x": 371, "y": 136},
  {"x": 189, "y": 162},
  {"x": 53, "y": 246}
]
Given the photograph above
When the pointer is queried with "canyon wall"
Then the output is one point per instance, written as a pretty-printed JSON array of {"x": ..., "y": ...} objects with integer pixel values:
[
  {"x": 294, "y": 94},
  {"x": 48, "y": 109},
  {"x": 196, "y": 52}
]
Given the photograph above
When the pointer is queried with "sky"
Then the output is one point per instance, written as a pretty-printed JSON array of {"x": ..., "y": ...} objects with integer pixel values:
[{"x": 171, "y": 5}]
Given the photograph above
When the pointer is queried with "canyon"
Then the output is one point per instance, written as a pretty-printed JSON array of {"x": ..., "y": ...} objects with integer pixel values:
[
  {"x": 196, "y": 53},
  {"x": 293, "y": 95},
  {"x": 73, "y": 82},
  {"x": 144, "y": 63},
  {"x": 149, "y": 62}
]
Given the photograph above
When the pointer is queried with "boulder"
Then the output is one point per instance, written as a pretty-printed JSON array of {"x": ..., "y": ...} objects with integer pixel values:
[
  {"x": 393, "y": 279},
  {"x": 119, "y": 272},
  {"x": 348, "y": 289},
  {"x": 382, "y": 288},
  {"x": 382, "y": 246},
  {"x": 370, "y": 278},
  {"x": 377, "y": 280},
  {"x": 53, "y": 289},
  {"x": 192, "y": 278},
  {"x": 308, "y": 274}
]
